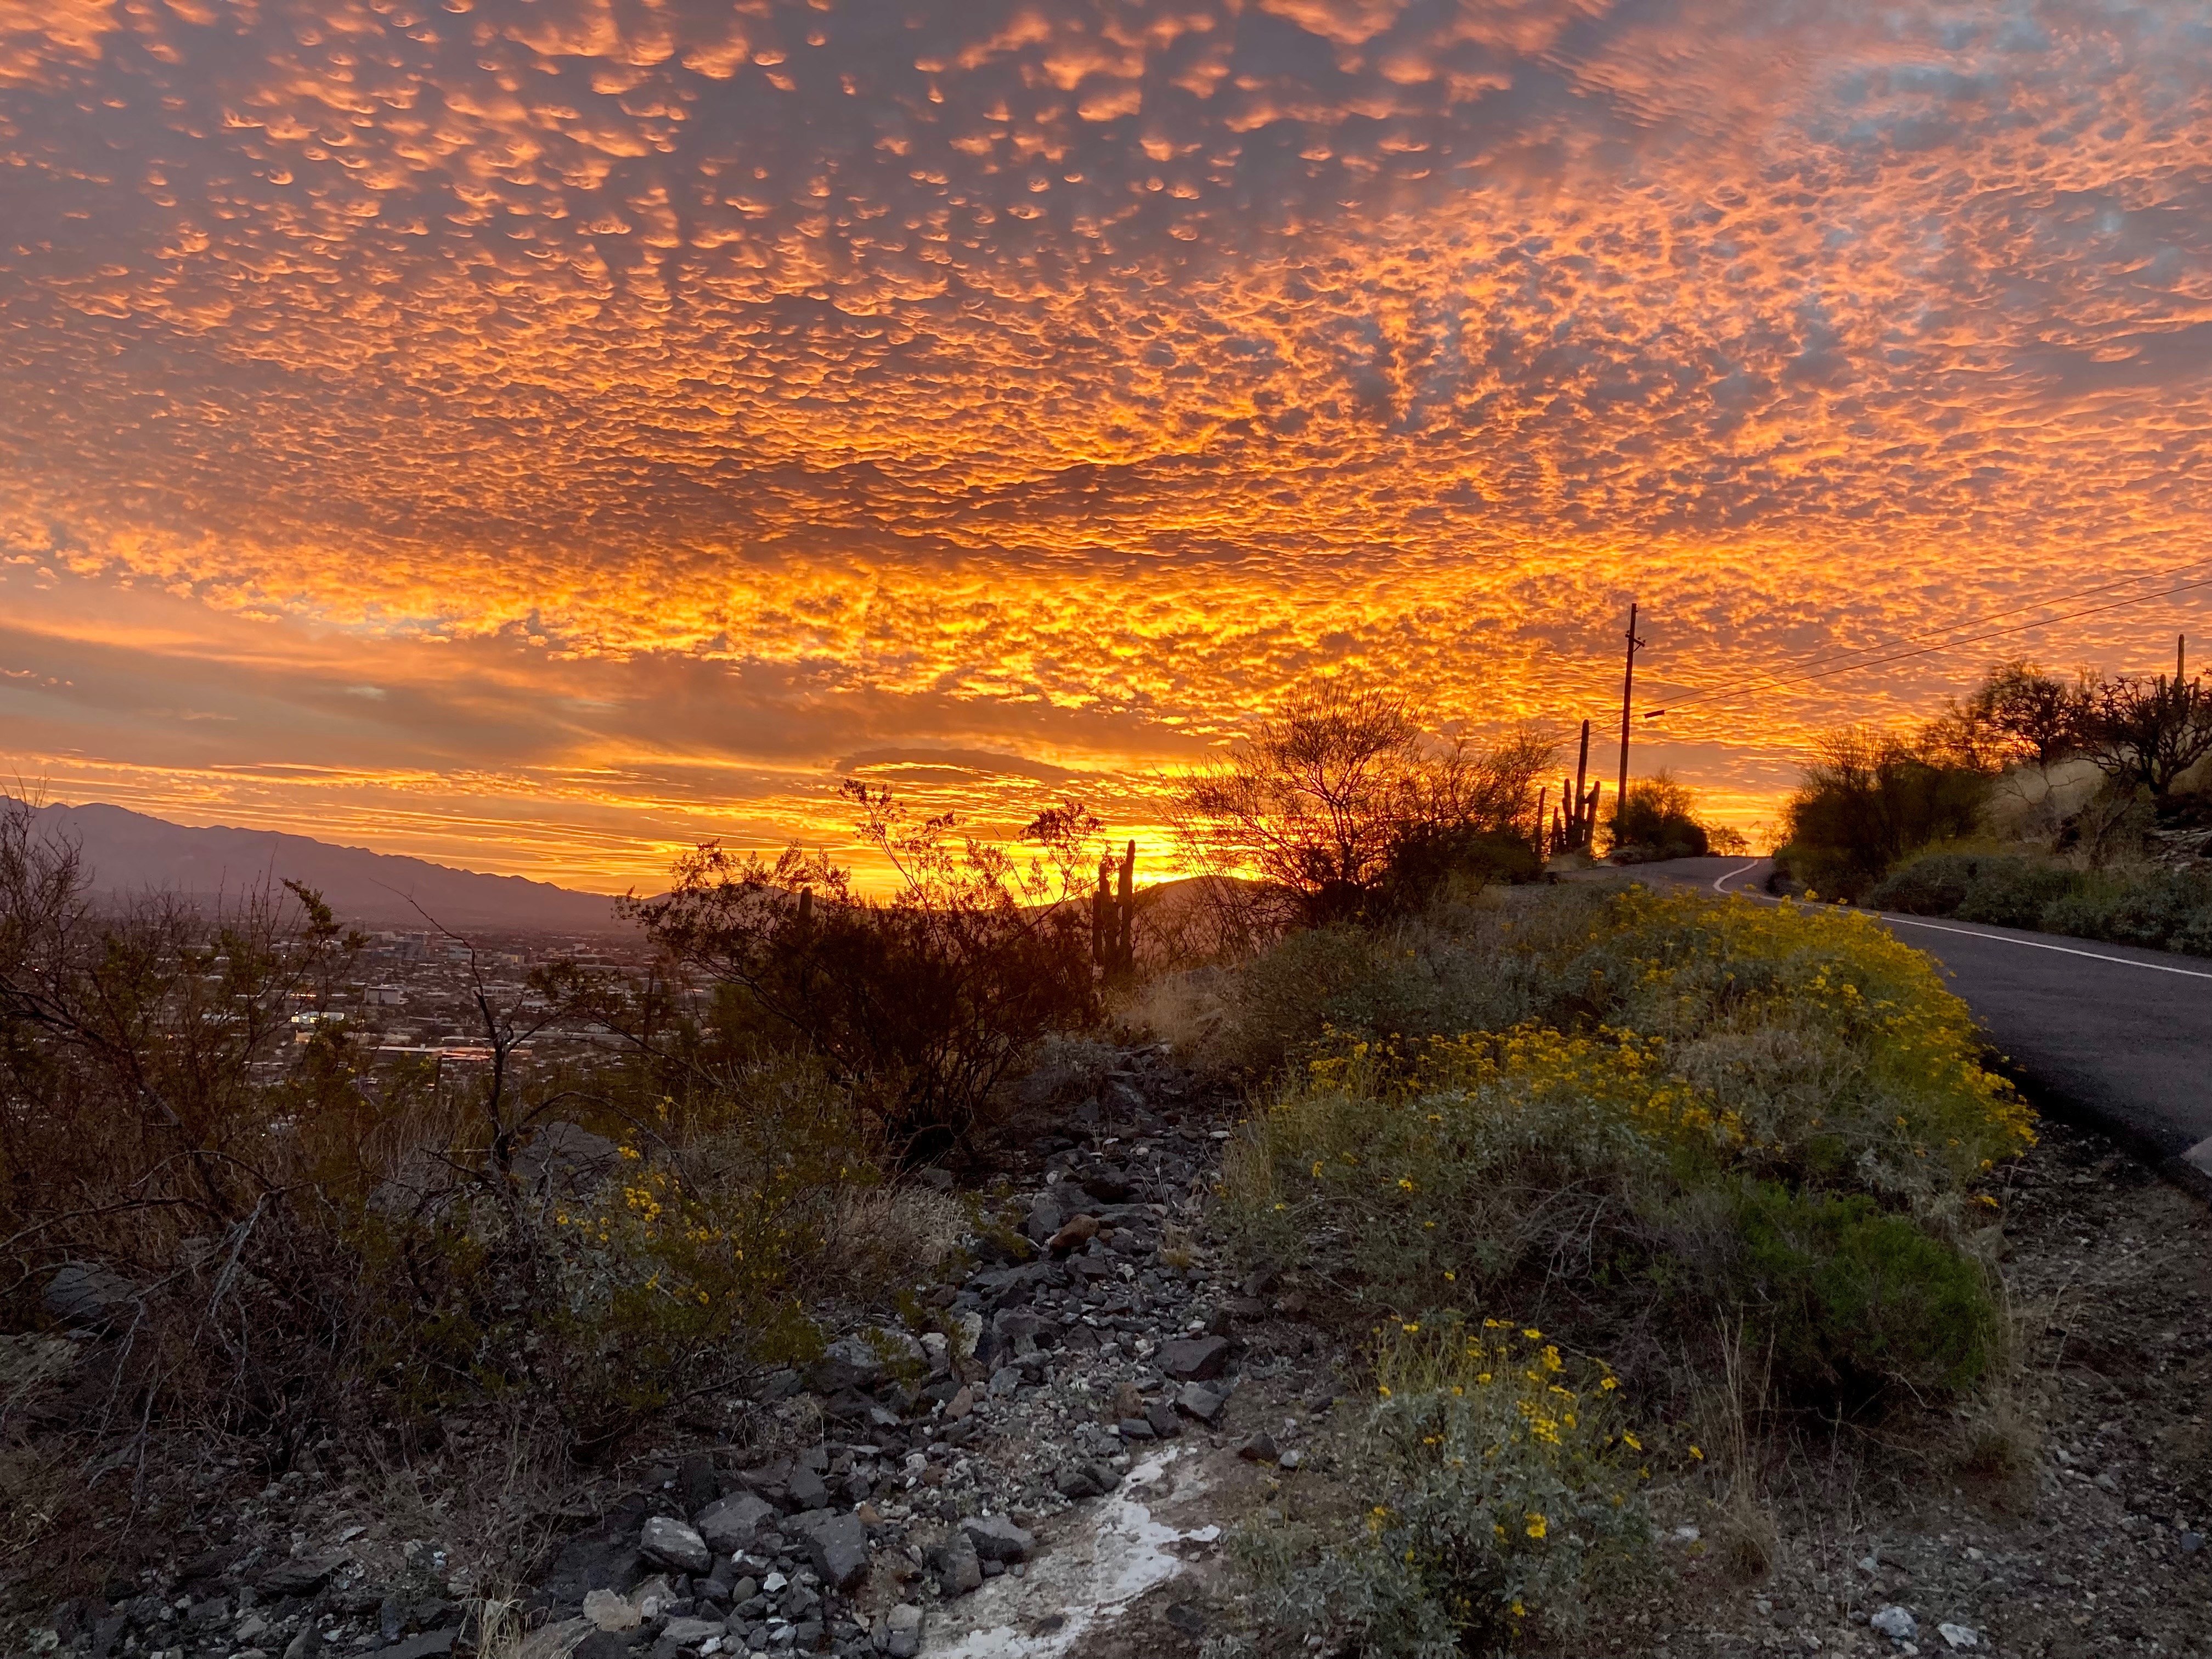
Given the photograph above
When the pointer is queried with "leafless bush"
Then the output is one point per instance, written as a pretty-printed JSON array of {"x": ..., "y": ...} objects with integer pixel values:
[{"x": 922, "y": 1003}]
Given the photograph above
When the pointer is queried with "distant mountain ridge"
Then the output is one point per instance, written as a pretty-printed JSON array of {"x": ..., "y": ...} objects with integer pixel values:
[{"x": 127, "y": 852}]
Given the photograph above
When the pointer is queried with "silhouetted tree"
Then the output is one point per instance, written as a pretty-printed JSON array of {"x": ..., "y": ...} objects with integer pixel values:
[
  {"x": 1870, "y": 798},
  {"x": 1348, "y": 811},
  {"x": 2146, "y": 732},
  {"x": 2029, "y": 714}
]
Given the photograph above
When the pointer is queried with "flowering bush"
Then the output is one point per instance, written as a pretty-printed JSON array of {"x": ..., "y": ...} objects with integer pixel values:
[
  {"x": 1648, "y": 1141},
  {"x": 1508, "y": 1499}
]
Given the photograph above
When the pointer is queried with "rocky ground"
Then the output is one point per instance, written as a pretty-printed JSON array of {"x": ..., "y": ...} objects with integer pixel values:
[{"x": 1052, "y": 1467}]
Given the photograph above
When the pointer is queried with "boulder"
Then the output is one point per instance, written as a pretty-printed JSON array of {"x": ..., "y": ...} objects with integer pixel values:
[
  {"x": 88, "y": 1297},
  {"x": 1192, "y": 1359},
  {"x": 958, "y": 1566},
  {"x": 807, "y": 1490},
  {"x": 1200, "y": 1402},
  {"x": 302, "y": 1575},
  {"x": 997, "y": 1539},
  {"x": 731, "y": 1523},
  {"x": 675, "y": 1546},
  {"x": 850, "y": 1362},
  {"x": 839, "y": 1550}
]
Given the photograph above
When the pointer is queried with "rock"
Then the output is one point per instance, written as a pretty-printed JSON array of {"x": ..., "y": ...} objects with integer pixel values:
[
  {"x": 731, "y": 1524},
  {"x": 690, "y": 1633},
  {"x": 601, "y": 1557},
  {"x": 1005, "y": 1380},
  {"x": 2106, "y": 1481},
  {"x": 430, "y": 1645},
  {"x": 1135, "y": 1428},
  {"x": 306, "y": 1644},
  {"x": 1128, "y": 1402},
  {"x": 958, "y": 1568},
  {"x": 1895, "y": 1623},
  {"x": 1161, "y": 1415},
  {"x": 302, "y": 1575},
  {"x": 1186, "y": 1618},
  {"x": 807, "y": 1490},
  {"x": 997, "y": 1539},
  {"x": 1079, "y": 1230},
  {"x": 2191, "y": 1542},
  {"x": 937, "y": 1352},
  {"x": 1192, "y": 1359},
  {"x": 1262, "y": 1280},
  {"x": 1293, "y": 1459},
  {"x": 88, "y": 1297},
  {"x": 696, "y": 1483},
  {"x": 851, "y": 1361},
  {"x": 1078, "y": 1480},
  {"x": 676, "y": 1546},
  {"x": 1043, "y": 1222},
  {"x": 1201, "y": 1403},
  {"x": 839, "y": 1550},
  {"x": 608, "y": 1610},
  {"x": 1259, "y": 1449},
  {"x": 601, "y": 1644},
  {"x": 1958, "y": 1635},
  {"x": 904, "y": 1617},
  {"x": 960, "y": 1405}
]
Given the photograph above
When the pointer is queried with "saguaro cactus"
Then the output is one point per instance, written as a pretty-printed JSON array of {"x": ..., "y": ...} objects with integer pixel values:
[{"x": 1113, "y": 917}]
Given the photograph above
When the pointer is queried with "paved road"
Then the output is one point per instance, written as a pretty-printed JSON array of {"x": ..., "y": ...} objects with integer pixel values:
[{"x": 2120, "y": 1035}]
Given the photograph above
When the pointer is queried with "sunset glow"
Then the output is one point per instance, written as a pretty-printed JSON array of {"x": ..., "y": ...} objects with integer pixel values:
[{"x": 537, "y": 434}]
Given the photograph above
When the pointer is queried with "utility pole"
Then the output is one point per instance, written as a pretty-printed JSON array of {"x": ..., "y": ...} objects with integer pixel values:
[
  {"x": 2180, "y": 655},
  {"x": 1627, "y": 686}
]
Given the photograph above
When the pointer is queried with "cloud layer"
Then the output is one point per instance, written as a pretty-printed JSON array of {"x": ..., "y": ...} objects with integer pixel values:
[{"x": 657, "y": 389}]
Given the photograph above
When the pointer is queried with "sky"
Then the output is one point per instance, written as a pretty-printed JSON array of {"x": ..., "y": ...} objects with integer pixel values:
[{"x": 541, "y": 435}]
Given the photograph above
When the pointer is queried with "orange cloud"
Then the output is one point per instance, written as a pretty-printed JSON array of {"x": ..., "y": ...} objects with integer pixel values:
[{"x": 1063, "y": 380}]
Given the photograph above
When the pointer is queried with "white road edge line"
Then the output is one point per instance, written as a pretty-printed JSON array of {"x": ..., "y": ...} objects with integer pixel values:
[{"x": 1972, "y": 933}]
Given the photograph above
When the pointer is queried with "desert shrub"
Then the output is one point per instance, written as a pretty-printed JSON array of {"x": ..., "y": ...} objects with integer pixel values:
[
  {"x": 288, "y": 1242},
  {"x": 2016, "y": 893},
  {"x": 620, "y": 1275},
  {"x": 1869, "y": 799},
  {"x": 1658, "y": 820},
  {"x": 920, "y": 1004},
  {"x": 1504, "y": 1495},
  {"x": 2170, "y": 910},
  {"x": 1930, "y": 885},
  {"x": 1345, "y": 810},
  {"x": 1606, "y": 1161},
  {"x": 1847, "y": 1298}
]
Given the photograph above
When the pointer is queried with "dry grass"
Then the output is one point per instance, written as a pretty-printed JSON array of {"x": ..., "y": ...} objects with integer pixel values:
[
  {"x": 904, "y": 1229},
  {"x": 1185, "y": 1010}
]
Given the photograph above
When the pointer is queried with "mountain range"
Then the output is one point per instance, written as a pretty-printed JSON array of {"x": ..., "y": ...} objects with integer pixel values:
[{"x": 126, "y": 854}]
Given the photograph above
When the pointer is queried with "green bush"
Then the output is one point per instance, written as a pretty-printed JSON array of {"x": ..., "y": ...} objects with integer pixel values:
[
  {"x": 1870, "y": 799},
  {"x": 1932, "y": 885},
  {"x": 2157, "y": 912},
  {"x": 1504, "y": 1502},
  {"x": 2015, "y": 893},
  {"x": 1693, "y": 1052},
  {"x": 1850, "y": 1299}
]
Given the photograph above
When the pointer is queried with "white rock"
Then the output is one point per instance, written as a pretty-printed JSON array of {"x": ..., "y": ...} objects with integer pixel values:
[
  {"x": 1958, "y": 1635},
  {"x": 609, "y": 1612},
  {"x": 1895, "y": 1623}
]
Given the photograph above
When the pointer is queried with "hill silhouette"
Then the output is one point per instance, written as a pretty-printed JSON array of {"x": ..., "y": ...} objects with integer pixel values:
[{"x": 127, "y": 854}]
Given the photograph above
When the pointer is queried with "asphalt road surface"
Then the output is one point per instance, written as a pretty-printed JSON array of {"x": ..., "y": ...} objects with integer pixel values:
[{"x": 2119, "y": 1035}]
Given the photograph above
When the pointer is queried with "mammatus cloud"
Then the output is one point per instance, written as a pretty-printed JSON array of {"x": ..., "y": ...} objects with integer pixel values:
[{"x": 686, "y": 390}]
